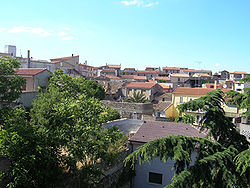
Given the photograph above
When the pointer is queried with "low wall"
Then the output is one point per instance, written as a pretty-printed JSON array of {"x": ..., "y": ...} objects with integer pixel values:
[{"x": 127, "y": 110}]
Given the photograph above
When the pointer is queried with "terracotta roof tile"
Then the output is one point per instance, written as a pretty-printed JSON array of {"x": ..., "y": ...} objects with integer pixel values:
[
  {"x": 114, "y": 66},
  {"x": 143, "y": 71},
  {"x": 179, "y": 75},
  {"x": 152, "y": 130},
  {"x": 140, "y": 85},
  {"x": 238, "y": 73},
  {"x": 140, "y": 77},
  {"x": 108, "y": 70},
  {"x": 63, "y": 58},
  {"x": 29, "y": 71},
  {"x": 164, "y": 86},
  {"x": 162, "y": 78},
  {"x": 195, "y": 91},
  {"x": 193, "y": 70},
  {"x": 171, "y": 68}
]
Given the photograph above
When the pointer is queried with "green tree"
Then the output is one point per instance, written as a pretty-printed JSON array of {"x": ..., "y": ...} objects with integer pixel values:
[
  {"x": 10, "y": 84},
  {"x": 137, "y": 97},
  {"x": 242, "y": 100},
  {"x": 189, "y": 119},
  {"x": 70, "y": 119},
  {"x": 216, "y": 164}
]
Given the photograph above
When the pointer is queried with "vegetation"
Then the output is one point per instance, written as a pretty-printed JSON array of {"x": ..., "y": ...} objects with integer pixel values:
[
  {"x": 137, "y": 97},
  {"x": 187, "y": 118},
  {"x": 222, "y": 157},
  {"x": 62, "y": 135}
]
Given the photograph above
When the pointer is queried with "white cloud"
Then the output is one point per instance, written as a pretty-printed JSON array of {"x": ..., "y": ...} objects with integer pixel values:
[
  {"x": 22, "y": 29},
  {"x": 60, "y": 34},
  {"x": 3, "y": 29},
  {"x": 67, "y": 28},
  {"x": 139, "y": 3},
  {"x": 67, "y": 38}
]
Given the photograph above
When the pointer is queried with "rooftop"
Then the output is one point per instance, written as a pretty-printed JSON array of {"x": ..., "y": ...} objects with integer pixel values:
[
  {"x": 29, "y": 71},
  {"x": 140, "y": 85},
  {"x": 144, "y": 71},
  {"x": 179, "y": 75},
  {"x": 238, "y": 72},
  {"x": 108, "y": 70},
  {"x": 63, "y": 58},
  {"x": 152, "y": 130},
  {"x": 114, "y": 66},
  {"x": 195, "y": 91}
]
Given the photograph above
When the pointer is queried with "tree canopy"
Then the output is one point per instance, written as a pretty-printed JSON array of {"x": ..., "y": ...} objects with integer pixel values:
[
  {"x": 220, "y": 160},
  {"x": 61, "y": 136}
]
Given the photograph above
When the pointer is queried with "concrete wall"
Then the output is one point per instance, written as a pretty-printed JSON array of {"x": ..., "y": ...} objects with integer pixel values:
[
  {"x": 42, "y": 79},
  {"x": 245, "y": 130},
  {"x": 156, "y": 166}
]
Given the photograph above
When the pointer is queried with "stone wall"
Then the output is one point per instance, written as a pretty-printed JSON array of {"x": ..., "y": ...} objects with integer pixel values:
[{"x": 129, "y": 110}]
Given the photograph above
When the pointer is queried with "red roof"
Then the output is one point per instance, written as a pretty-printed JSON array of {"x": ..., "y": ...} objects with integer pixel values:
[
  {"x": 164, "y": 86},
  {"x": 127, "y": 76},
  {"x": 29, "y": 71},
  {"x": 140, "y": 85},
  {"x": 238, "y": 73},
  {"x": 140, "y": 77},
  {"x": 108, "y": 70},
  {"x": 152, "y": 130},
  {"x": 63, "y": 58},
  {"x": 114, "y": 66},
  {"x": 195, "y": 91},
  {"x": 113, "y": 77},
  {"x": 171, "y": 68},
  {"x": 162, "y": 78},
  {"x": 179, "y": 75},
  {"x": 192, "y": 70},
  {"x": 152, "y": 72}
]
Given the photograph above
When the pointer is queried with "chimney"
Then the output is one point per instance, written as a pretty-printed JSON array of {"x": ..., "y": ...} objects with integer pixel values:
[
  {"x": 86, "y": 62},
  {"x": 215, "y": 84},
  {"x": 28, "y": 58},
  {"x": 72, "y": 55}
]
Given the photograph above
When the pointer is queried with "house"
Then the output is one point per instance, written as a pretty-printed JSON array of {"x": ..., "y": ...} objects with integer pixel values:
[
  {"x": 212, "y": 85},
  {"x": 34, "y": 78},
  {"x": 166, "y": 87},
  {"x": 224, "y": 75},
  {"x": 117, "y": 69},
  {"x": 87, "y": 71},
  {"x": 129, "y": 71},
  {"x": 162, "y": 79},
  {"x": 149, "y": 90},
  {"x": 69, "y": 65},
  {"x": 171, "y": 70},
  {"x": 149, "y": 74},
  {"x": 109, "y": 72},
  {"x": 179, "y": 79},
  {"x": 191, "y": 72},
  {"x": 156, "y": 173},
  {"x": 182, "y": 95},
  {"x": 236, "y": 76}
]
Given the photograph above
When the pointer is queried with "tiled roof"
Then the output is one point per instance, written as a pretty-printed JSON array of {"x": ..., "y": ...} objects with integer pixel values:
[
  {"x": 63, "y": 58},
  {"x": 114, "y": 66},
  {"x": 113, "y": 77},
  {"x": 140, "y": 77},
  {"x": 140, "y": 85},
  {"x": 127, "y": 76},
  {"x": 129, "y": 69},
  {"x": 164, "y": 86},
  {"x": 162, "y": 105},
  {"x": 238, "y": 73},
  {"x": 152, "y": 72},
  {"x": 193, "y": 70},
  {"x": 201, "y": 75},
  {"x": 162, "y": 78},
  {"x": 171, "y": 68},
  {"x": 179, "y": 75},
  {"x": 108, "y": 70},
  {"x": 195, "y": 91},
  {"x": 152, "y": 130},
  {"x": 29, "y": 71}
]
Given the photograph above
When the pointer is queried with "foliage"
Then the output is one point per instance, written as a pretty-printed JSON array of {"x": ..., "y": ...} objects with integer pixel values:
[
  {"x": 73, "y": 87},
  {"x": 242, "y": 161},
  {"x": 242, "y": 100},
  {"x": 70, "y": 119},
  {"x": 188, "y": 118},
  {"x": 163, "y": 81},
  {"x": 10, "y": 84},
  {"x": 214, "y": 165},
  {"x": 137, "y": 97},
  {"x": 31, "y": 161}
]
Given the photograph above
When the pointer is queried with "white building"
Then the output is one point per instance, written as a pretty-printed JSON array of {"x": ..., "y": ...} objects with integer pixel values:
[{"x": 10, "y": 49}]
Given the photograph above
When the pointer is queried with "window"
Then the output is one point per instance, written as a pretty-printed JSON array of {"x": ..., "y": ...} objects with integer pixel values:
[
  {"x": 155, "y": 178},
  {"x": 181, "y": 99}
]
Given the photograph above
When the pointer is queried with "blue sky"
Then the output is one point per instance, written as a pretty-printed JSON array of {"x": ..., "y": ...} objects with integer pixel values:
[{"x": 202, "y": 34}]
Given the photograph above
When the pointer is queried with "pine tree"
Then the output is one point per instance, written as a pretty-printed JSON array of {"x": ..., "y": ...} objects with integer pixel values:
[{"x": 216, "y": 164}]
